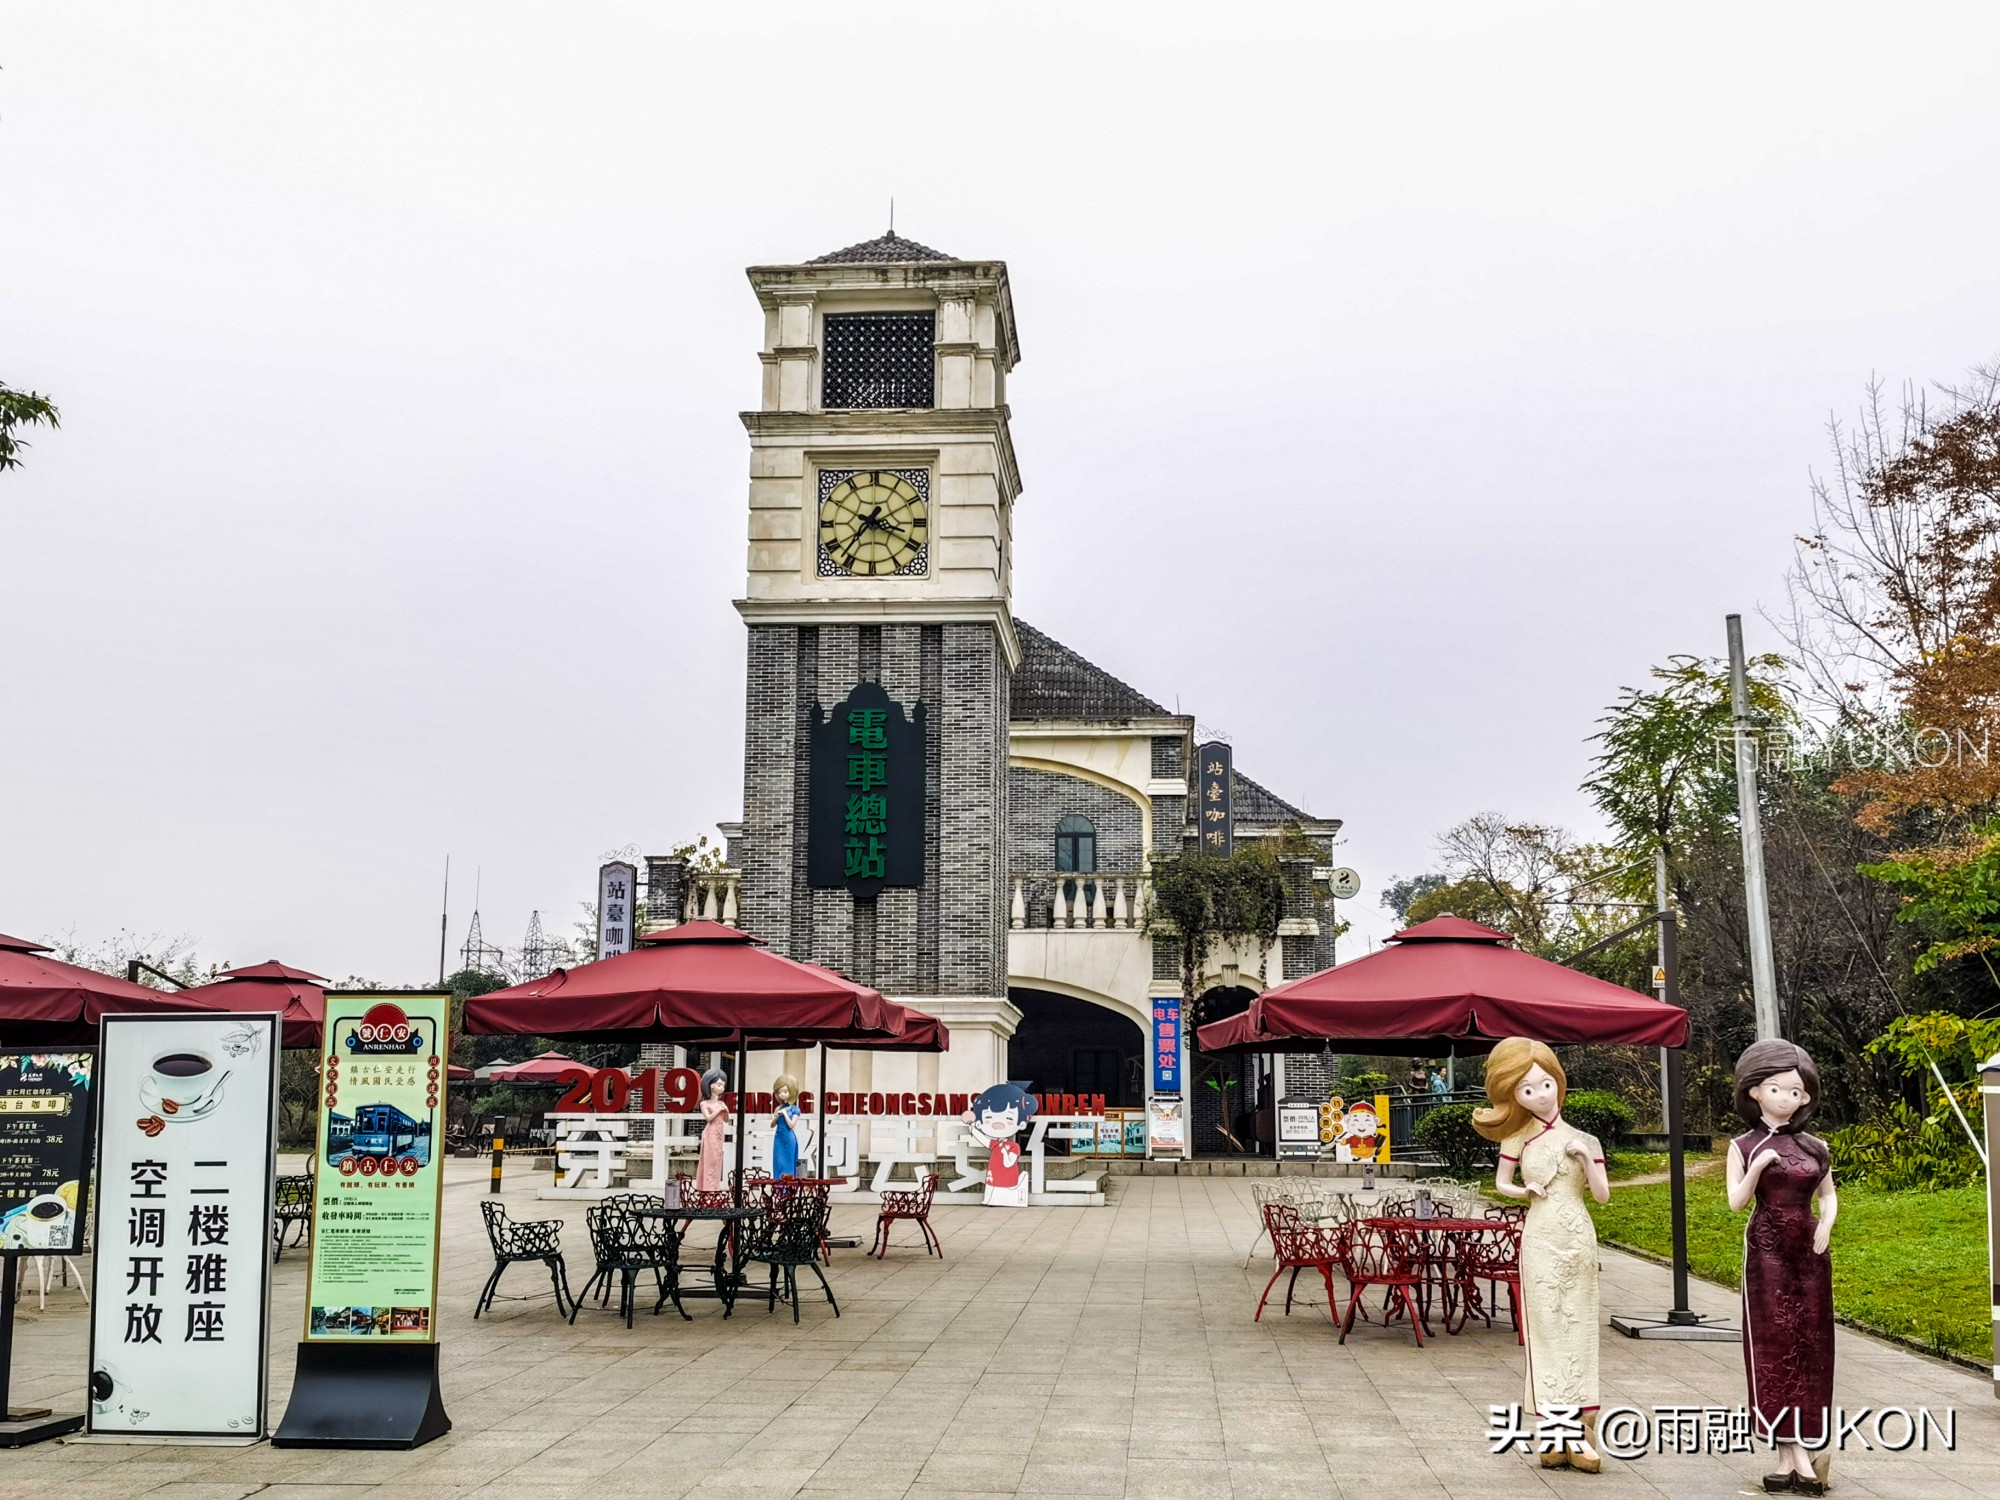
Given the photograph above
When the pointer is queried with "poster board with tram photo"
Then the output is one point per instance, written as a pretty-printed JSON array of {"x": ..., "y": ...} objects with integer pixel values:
[{"x": 377, "y": 1168}]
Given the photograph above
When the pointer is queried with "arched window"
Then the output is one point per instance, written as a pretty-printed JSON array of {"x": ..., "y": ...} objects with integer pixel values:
[{"x": 1076, "y": 845}]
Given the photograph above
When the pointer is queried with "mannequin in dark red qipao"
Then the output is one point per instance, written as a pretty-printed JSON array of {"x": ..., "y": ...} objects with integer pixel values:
[{"x": 1787, "y": 1274}]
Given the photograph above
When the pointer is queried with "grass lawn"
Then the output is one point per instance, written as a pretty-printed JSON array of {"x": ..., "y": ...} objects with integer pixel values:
[
  {"x": 1908, "y": 1264},
  {"x": 1622, "y": 1164}
]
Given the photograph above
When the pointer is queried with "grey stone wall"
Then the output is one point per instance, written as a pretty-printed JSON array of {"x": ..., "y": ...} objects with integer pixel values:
[
  {"x": 1171, "y": 835},
  {"x": 948, "y": 936},
  {"x": 972, "y": 880},
  {"x": 666, "y": 887},
  {"x": 770, "y": 766},
  {"x": 1036, "y": 801}
]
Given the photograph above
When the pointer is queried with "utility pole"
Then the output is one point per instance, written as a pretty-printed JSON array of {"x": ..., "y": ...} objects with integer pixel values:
[
  {"x": 444, "y": 921},
  {"x": 1756, "y": 894}
]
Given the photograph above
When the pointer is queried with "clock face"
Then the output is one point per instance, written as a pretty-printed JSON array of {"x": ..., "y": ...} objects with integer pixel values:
[{"x": 873, "y": 522}]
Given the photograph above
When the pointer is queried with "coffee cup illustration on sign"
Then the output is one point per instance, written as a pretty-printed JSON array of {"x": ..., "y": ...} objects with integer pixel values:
[
  {"x": 41, "y": 1223},
  {"x": 183, "y": 1085}
]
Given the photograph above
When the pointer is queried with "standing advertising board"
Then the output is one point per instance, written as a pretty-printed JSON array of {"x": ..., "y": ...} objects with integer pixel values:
[
  {"x": 1166, "y": 1125},
  {"x": 367, "y": 1370},
  {"x": 186, "y": 1142},
  {"x": 44, "y": 1149},
  {"x": 378, "y": 1176},
  {"x": 1298, "y": 1127},
  {"x": 45, "y": 1100}
]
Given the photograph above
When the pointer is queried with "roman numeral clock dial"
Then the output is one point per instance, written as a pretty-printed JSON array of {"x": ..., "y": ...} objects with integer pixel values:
[{"x": 873, "y": 522}]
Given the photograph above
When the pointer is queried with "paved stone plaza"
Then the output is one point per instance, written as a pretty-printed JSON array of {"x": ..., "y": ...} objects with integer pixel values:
[{"x": 1054, "y": 1352}]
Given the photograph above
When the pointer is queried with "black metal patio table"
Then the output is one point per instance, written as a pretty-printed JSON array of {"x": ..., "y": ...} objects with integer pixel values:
[{"x": 724, "y": 1283}]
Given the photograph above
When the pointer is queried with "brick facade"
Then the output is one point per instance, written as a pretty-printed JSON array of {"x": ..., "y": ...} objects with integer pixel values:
[
  {"x": 947, "y": 937},
  {"x": 1038, "y": 800}
]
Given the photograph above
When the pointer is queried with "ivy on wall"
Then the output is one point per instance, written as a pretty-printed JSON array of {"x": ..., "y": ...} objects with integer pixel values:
[{"x": 1209, "y": 899}]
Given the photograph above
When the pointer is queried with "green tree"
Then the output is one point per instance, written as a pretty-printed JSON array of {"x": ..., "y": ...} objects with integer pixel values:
[
  {"x": 1667, "y": 772},
  {"x": 1953, "y": 895},
  {"x": 1401, "y": 894},
  {"x": 22, "y": 409}
]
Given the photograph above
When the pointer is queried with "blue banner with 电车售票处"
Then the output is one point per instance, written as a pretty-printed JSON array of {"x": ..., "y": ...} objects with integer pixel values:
[{"x": 1167, "y": 1045}]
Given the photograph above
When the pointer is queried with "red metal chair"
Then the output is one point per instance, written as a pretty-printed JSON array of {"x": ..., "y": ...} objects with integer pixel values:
[
  {"x": 1388, "y": 1258},
  {"x": 914, "y": 1205},
  {"x": 1301, "y": 1246},
  {"x": 1495, "y": 1258}
]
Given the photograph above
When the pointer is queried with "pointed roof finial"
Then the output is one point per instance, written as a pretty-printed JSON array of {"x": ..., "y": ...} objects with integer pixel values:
[{"x": 892, "y": 215}]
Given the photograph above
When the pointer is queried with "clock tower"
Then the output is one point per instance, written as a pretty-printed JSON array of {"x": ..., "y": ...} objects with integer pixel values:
[{"x": 881, "y": 641}]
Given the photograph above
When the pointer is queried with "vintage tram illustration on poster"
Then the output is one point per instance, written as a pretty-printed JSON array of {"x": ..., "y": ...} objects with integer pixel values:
[{"x": 375, "y": 1195}]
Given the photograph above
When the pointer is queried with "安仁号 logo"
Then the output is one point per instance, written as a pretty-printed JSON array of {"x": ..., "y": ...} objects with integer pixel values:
[{"x": 386, "y": 1029}]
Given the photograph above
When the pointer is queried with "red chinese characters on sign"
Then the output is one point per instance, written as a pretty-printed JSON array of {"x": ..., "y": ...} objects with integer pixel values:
[{"x": 610, "y": 1091}]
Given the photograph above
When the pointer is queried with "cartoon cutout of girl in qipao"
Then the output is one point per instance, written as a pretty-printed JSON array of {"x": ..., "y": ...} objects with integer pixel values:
[{"x": 996, "y": 1117}]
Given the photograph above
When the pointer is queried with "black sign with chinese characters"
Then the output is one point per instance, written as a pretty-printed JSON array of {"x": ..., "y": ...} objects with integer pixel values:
[
  {"x": 1215, "y": 809},
  {"x": 867, "y": 810},
  {"x": 44, "y": 1150}
]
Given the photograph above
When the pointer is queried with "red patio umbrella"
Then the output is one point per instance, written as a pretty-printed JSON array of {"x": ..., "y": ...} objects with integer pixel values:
[
  {"x": 544, "y": 1067},
  {"x": 299, "y": 998},
  {"x": 699, "y": 982},
  {"x": 45, "y": 1002},
  {"x": 1446, "y": 981},
  {"x": 1466, "y": 986},
  {"x": 920, "y": 1033},
  {"x": 455, "y": 1074},
  {"x": 702, "y": 983}
]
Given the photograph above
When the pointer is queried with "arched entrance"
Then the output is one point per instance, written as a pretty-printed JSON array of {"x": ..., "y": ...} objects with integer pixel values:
[{"x": 1066, "y": 1045}]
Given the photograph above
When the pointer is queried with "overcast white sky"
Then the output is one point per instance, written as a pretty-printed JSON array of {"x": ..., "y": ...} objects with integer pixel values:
[{"x": 1398, "y": 383}]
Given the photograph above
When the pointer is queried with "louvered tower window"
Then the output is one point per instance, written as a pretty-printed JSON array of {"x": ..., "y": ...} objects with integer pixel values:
[{"x": 879, "y": 359}]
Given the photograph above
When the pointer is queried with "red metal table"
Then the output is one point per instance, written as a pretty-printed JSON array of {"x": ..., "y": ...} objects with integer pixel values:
[{"x": 1439, "y": 1245}]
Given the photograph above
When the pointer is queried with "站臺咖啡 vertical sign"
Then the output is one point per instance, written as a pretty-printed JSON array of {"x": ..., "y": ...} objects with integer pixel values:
[
  {"x": 378, "y": 1179},
  {"x": 186, "y": 1140}
]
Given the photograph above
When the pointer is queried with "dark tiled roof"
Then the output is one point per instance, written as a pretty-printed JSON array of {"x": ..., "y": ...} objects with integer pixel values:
[
  {"x": 1255, "y": 804},
  {"x": 1055, "y": 683},
  {"x": 890, "y": 247}
]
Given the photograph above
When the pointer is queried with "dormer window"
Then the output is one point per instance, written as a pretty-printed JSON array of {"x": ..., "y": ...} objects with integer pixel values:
[{"x": 879, "y": 360}]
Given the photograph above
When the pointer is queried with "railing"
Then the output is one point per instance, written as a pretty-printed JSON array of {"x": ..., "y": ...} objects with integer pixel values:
[
  {"x": 712, "y": 896},
  {"x": 1100, "y": 901}
]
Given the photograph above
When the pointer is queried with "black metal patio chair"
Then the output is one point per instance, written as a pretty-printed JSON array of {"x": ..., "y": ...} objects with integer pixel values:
[
  {"x": 788, "y": 1236},
  {"x": 523, "y": 1239},
  {"x": 291, "y": 1212},
  {"x": 629, "y": 1243}
]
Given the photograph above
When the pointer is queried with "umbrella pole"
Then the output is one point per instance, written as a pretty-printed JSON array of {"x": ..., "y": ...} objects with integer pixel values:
[
  {"x": 820, "y": 1170},
  {"x": 742, "y": 1122},
  {"x": 1681, "y": 1321}
]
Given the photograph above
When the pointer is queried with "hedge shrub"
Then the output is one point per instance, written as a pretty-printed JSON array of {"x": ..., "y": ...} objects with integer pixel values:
[
  {"x": 1448, "y": 1131},
  {"x": 1598, "y": 1112}
]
